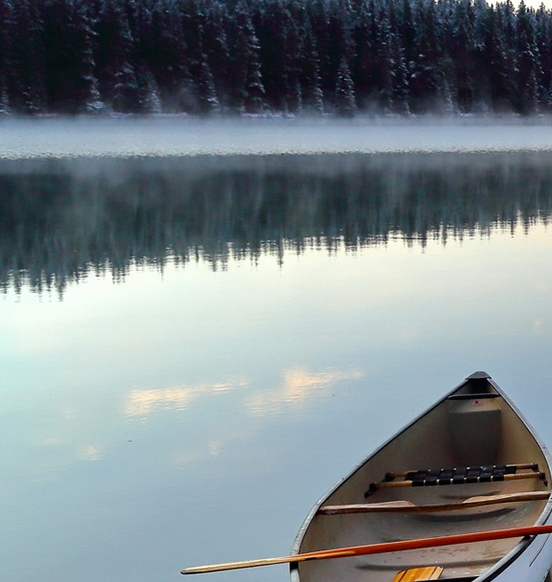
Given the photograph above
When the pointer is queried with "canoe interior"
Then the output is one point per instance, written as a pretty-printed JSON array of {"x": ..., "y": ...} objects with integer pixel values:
[{"x": 475, "y": 425}]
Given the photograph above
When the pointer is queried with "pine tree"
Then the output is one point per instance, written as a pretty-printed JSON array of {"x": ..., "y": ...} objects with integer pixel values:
[
  {"x": 148, "y": 94},
  {"x": 345, "y": 105},
  {"x": 342, "y": 49},
  {"x": 463, "y": 45},
  {"x": 217, "y": 50},
  {"x": 70, "y": 68},
  {"x": 508, "y": 30},
  {"x": 310, "y": 77},
  {"x": 426, "y": 82},
  {"x": 293, "y": 44},
  {"x": 200, "y": 73},
  {"x": 26, "y": 79},
  {"x": 248, "y": 87},
  {"x": 161, "y": 48},
  {"x": 281, "y": 54},
  {"x": 362, "y": 67},
  {"x": 543, "y": 32},
  {"x": 391, "y": 81},
  {"x": 494, "y": 55},
  {"x": 528, "y": 61},
  {"x": 115, "y": 58},
  {"x": 5, "y": 53},
  {"x": 317, "y": 13},
  {"x": 400, "y": 73}
]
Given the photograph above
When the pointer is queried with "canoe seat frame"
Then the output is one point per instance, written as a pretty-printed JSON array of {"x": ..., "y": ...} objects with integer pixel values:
[{"x": 403, "y": 506}]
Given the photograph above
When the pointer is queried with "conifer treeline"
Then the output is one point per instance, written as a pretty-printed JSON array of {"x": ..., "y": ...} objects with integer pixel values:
[{"x": 262, "y": 56}]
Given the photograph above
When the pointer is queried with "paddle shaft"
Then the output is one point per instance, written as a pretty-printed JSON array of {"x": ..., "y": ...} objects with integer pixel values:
[{"x": 380, "y": 548}]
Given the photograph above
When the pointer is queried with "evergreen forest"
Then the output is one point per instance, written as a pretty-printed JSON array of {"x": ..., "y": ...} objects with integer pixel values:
[{"x": 263, "y": 57}]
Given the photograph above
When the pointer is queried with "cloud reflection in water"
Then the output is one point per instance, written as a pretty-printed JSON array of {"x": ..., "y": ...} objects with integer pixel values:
[
  {"x": 141, "y": 403},
  {"x": 299, "y": 386}
]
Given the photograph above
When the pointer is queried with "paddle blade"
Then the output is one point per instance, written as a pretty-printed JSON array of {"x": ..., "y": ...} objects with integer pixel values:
[{"x": 321, "y": 555}]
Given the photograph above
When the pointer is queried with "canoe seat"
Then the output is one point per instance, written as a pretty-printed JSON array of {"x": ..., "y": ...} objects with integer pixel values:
[
  {"x": 418, "y": 574},
  {"x": 457, "y": 476}
]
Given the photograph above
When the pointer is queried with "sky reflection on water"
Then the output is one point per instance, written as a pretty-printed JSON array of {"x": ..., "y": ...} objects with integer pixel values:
[{"x": 165, "y": 413}]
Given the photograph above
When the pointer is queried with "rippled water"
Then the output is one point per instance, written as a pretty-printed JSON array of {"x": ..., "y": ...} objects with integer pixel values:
[{"x": 194, "y": 348}]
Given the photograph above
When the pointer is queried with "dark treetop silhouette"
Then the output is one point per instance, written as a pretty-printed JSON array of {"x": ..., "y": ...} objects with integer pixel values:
[{"x": 274, "y": 56}]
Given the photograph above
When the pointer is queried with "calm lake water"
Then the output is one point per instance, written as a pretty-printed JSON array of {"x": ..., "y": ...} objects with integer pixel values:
[{"x": 203, "y": 326}]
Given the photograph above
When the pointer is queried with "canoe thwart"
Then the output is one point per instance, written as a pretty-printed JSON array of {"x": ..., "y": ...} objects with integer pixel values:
[
  {"x": 409, "y": 507},
  {"x": 456, "y": 476}
]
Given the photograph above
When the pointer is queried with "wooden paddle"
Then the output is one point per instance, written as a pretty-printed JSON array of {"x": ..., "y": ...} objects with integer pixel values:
[
  {"x": 380, "y": 548},
  {"x": 404, "y": 506}
]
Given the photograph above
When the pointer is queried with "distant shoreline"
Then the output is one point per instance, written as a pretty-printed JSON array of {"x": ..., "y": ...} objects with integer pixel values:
[{"x": 359, "y": 118}]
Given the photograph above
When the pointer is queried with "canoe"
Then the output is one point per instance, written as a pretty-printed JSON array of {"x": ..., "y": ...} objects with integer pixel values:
[{"x": 470, "y": 466}]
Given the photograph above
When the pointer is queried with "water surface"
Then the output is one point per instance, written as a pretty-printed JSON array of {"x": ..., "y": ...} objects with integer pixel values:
[{"x": 195, "y": 348}]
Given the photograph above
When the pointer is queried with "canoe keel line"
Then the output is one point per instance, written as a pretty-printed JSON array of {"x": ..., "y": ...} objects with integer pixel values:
[{"x": 478, "y": 433}]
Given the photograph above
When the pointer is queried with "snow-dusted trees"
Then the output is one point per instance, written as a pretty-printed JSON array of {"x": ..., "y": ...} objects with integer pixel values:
[
  {"x": 274, "y": 56},
  {"x": 543, "y": 36},
  {"x": 528, "y": 61},
  {"x": 311, "y": 78},
  {"x": 281, "y": 55},
  {"x": 115, "y": 49},
  {"x": 217, "y": 49},
  {"x": 5, "y": 40},
  {"x": 247, "y": 82},
  {"x": 25, "y": 60},
  {"x": 344, "y": 100},
  {"x": 70, "y": 80}
]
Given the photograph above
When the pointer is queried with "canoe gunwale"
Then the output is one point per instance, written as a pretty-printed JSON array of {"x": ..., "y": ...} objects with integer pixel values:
[{"x": 545, "y": 517}]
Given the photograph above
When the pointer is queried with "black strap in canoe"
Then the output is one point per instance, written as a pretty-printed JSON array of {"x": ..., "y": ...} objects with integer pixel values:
[{"x": 457, "y": 476}]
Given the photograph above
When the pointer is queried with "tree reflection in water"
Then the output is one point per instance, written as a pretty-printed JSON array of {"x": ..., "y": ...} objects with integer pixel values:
[{"x": 61, "y": 220}]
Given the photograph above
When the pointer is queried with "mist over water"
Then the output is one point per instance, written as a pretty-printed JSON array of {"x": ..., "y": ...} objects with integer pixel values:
[{"x": 184, "y": 136}]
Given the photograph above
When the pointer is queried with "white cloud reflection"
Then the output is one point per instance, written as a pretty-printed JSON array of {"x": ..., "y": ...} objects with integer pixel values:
[
  {"x": 299, "y": 386},
  {"x": 89, "y": 453},
  {"x": 141, "y": 403}
]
